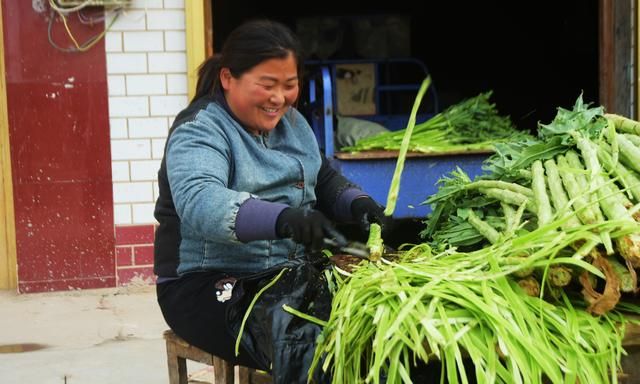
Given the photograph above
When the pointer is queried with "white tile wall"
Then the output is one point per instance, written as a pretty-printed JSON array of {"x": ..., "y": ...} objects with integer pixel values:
[
  {"x": 113, "y": 42},
  {"x": 118, "y": 128},
  {"x": 157, "y": 148},
  {"x": 168, "y": 62},
  {"x": 156, "y": 190},
  {"x": 146, "y": 170},
  {"x": 146, "y": 4},
  {"x": 165, "y": 20},
  {"x": 130, "y": 149},
  {"x": 148, "y": 127},
  {"x": 127, "y": 106},
  {"x": 143, "y": 41},
  {"x": 143, "y": 213},
  {"x": 147, "y": 83},
  {"x": 139, "y": 192},
  {"x": 175, "y": 40},
  {"x": 177, "y": 84},
  {"x": 122, "y": 214},
  {"x": 116, "y": 86},
  {"x": 130, "y": 20},
  {"x": 174, "y": 4},
  {"x": 126, "y": 63},
  {"x": 120, "y": 171},
  {"x": 167, "y": 105}
]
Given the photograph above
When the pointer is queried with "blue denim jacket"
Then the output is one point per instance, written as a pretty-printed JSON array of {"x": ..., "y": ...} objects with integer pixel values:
[{"x": 214, "y": 165}]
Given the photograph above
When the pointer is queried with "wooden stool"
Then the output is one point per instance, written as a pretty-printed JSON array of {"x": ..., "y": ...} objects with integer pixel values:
[{"x": 178, "y": 351}]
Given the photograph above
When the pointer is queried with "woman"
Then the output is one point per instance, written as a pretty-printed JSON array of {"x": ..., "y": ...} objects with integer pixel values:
[{"x": 245, "y": 192}]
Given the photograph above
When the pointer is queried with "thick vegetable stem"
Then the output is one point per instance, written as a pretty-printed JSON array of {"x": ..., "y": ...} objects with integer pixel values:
[
  {"x": 558, "y": 195},
  {"x": 627, "y": 177},
  {"x": 394, "y": 189},
  {"x": 624, "y": 124},
  {"x": 584, "y": 211},
  {"x": 544, "y": 212},
  {"x": 483, "y": 227},
  {"x": 374, "y": 243},
  {"x": 581, "y": 179}
]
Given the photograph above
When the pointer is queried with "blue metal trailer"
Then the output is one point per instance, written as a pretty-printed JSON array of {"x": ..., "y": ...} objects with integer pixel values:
[{"x": 374, "y": 170}]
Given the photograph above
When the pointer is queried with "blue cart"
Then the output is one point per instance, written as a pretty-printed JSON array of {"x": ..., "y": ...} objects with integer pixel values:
[{"x": 374, "y": 170}]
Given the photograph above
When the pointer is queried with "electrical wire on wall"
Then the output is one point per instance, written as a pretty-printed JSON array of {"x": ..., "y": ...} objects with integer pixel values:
[{"x": 64, "y": 12}]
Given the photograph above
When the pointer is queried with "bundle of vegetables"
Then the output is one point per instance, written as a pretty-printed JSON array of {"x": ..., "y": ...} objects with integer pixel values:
[
  {"x": 473, "y": 124},
  {"x": 584, "y": 168},
  {"x": 454, "y": 306},
  {"x": 488, "y": 285}
]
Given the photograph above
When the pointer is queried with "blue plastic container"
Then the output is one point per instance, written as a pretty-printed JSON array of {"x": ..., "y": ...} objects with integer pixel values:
[{"x": 373, "y": 171}]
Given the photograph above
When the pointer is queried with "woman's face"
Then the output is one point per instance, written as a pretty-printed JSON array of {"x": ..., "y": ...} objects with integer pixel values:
[{"x": 263, "y": 94}]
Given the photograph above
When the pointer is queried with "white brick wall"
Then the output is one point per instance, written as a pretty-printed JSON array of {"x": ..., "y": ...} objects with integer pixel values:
[{"x": 147, "y": 83}]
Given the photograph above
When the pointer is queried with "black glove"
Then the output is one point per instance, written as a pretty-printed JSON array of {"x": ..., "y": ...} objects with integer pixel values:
[
  {"x": 366, "y": 211},
  {"x": 305, "y": 226}
]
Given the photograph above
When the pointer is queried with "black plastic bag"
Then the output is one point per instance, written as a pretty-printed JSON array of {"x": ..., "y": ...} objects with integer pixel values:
[{"x": 283, "y": 344}]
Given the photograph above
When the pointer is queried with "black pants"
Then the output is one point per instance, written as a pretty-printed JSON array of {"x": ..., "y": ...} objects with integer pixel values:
[
  {"x": 272, "y": 340},
  {"x": 191, "y": 309}
]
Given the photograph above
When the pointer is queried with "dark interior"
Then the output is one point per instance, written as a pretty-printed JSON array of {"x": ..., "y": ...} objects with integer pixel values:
[{"x": 534, "y": 56}]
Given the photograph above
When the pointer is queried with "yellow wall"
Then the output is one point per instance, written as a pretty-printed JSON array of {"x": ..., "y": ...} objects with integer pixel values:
[
  {"x": 196, "y": 44},
  {"x": 8, "y": 262}
]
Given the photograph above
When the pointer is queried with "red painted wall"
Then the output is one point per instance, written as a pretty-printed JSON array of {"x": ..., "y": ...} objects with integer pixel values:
[
  {"x": 60, "y": 153},
  {"x": 134, "y": 254}
]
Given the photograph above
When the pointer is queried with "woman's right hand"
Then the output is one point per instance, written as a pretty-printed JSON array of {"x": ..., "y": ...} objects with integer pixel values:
[{"x": 305, "y": 226}]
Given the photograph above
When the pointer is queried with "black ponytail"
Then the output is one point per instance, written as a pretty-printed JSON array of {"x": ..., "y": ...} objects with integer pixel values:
[{"x": 208, "y": 77}]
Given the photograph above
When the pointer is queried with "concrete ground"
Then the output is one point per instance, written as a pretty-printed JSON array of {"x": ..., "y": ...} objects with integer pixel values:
[{"x": 102, "y": 336}]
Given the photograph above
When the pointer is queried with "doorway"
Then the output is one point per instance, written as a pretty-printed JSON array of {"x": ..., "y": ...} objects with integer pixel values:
[{"x": 534, "y": 61}]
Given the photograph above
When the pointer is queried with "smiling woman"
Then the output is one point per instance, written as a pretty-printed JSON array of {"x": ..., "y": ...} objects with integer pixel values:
[{"x": 246, "y": 195}]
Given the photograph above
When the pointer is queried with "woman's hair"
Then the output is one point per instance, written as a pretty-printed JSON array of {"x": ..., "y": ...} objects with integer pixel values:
[{"x": 247, "y": 46}]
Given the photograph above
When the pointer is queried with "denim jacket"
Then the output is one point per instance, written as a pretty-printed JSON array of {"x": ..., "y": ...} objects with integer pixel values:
[{"x": 214, "y": 165}]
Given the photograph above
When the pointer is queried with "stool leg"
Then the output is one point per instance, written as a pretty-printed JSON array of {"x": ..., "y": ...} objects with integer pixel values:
[
  {"x": 177, "y": 366},
  {"x": 253, "y": 376},
  {"x": 223, "y": 371},
  {"x": 244, "y": 375}
]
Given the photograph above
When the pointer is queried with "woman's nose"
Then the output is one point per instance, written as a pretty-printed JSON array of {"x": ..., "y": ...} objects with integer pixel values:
[{"x": 277, "y": 97}]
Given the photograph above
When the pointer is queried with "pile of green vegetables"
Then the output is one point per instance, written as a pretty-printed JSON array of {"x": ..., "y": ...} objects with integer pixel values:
[
  {"x": 585, "y": 169},
  {"x": 521, "y": 270},
  {"x": 471, "y": 125}
]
